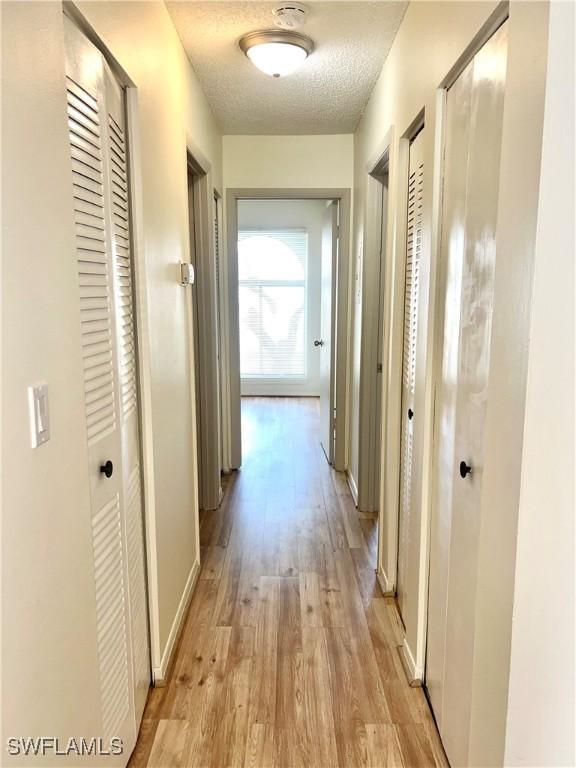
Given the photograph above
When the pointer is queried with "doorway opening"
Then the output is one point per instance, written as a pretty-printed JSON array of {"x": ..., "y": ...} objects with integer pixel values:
[
  {"x": 205, "y": 325},
  {"x": 372, "y": 368},
  {"x": 287, "y": 281}
]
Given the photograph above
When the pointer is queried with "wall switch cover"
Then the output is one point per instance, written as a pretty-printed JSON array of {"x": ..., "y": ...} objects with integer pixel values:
[{"x": 39, "y": 414}]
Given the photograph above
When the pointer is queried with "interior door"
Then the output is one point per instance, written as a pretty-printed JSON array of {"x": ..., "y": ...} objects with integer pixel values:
[
  {"x": 326, "y": 343},
  {"x": 474, "y": 111},
  {"x": 87, "y": 134},
  {"x": 104, "y": 265},
  {"x": 123, "y": 268},
  {"x": 411, "y": 300}
]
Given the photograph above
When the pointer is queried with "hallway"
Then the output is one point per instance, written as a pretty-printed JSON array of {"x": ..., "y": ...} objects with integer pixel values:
[{"x": 289, "y": 653}]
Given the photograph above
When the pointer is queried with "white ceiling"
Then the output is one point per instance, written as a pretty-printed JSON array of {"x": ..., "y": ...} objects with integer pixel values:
[{"x": 326, "y": 95}]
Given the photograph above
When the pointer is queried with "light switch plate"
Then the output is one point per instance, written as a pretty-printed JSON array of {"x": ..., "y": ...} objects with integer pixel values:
[{"x": 39, "y": 414}]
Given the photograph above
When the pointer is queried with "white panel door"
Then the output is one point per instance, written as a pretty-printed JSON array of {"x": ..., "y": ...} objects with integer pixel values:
[
  {"x": 474, "y": 114},
  {"x": 327, "y": 324},
  {"x": 411, "y": 300}
]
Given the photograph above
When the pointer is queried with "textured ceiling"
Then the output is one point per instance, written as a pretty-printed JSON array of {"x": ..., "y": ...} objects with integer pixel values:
[{"x": 326, "y": 95}]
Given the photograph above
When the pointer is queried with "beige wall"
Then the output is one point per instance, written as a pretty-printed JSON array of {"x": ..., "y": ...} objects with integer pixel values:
[
  {"x": 542, "y": 693},
  {"x": 49, "y": 648},
  {"x": 288, "y": 161}
]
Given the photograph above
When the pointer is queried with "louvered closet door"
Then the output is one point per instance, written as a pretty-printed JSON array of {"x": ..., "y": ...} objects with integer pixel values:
[
  {"x": 102, "y": 252},
  {"x": 122, "y": 272},
  {"x": 409, "y": 415}
]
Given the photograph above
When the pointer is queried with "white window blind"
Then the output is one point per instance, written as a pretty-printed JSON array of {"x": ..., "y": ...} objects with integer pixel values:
[{"x": 272, "y": 272}]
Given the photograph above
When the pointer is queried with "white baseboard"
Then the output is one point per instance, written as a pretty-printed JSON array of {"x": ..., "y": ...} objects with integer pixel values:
[
  {"x": 386, "y": 585},
  {"x": 414, "y": 674},
  {"x": 160, "y": 674},
  {"x": 353, "y": 487}
]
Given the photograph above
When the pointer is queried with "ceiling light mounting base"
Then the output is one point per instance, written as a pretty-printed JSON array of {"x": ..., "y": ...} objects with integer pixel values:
[{"x": 290, "y": 15}]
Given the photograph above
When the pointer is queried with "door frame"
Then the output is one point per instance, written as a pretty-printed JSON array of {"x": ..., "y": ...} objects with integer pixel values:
[
  {"x": 205, "y": 368},
  {"x": 141, "y": 325},
  {"x": 142, "y": 332},
  {"x": 375, "y": 257},
  {"x": 396, "y": 241},
  {"x": 342, "y": 320},
  {"x": 221, "y": 306}
]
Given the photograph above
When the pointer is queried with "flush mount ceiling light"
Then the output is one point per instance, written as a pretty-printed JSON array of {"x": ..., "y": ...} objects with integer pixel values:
[{"x": 276, "y": 52}]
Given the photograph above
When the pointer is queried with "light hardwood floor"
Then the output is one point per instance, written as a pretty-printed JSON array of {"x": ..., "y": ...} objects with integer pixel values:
[{"x": 289, "y": 655}]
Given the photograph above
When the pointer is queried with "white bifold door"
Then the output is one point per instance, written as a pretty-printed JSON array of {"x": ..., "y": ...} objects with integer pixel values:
[
  {"x": 473, "y": 137},
  {"x": 411, "y": 302},
  {"x": 100, "y": 202}
]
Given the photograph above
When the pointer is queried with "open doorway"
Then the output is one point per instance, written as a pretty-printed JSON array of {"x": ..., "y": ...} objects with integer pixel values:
[
  {"x": 372, "y": 353},
  {"x": 204, "y": 232},
  {"x": 287, "y": 280}
]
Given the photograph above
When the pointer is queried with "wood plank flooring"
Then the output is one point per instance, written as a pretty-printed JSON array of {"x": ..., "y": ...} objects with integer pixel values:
[{"x": 289, "y": 655}]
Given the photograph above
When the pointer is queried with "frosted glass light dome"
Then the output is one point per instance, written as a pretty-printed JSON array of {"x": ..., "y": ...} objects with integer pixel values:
[{"x": 276, "y": 52}]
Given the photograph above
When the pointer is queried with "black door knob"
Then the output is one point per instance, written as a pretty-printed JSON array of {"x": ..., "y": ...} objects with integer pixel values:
[
  {"x": 107, "y": 469},
  {"x": 318, "y": 343},
  {"x": 410, "y": 414},
  {"x": 465, "y": 469}
]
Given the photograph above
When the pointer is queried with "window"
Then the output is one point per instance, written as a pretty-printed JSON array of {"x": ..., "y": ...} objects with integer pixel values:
[{"x": 272, "y": 272}]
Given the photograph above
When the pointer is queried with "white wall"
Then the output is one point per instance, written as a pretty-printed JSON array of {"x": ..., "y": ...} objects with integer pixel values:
[
  {"x": 275, "y": 214},
  {"x": 288, "y": 161},
  {"x": 542, "y": 695},
  {"x": 49, "y": 646}
]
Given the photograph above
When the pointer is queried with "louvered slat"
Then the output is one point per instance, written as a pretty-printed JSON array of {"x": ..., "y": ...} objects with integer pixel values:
[
  {"x": 135, "y": 547},
  {"x": 123, "y": 268},
  {"x": 110, "y": 610},
  {"x": 93, "y": 277},
  {"x": 412, "y": 277}
]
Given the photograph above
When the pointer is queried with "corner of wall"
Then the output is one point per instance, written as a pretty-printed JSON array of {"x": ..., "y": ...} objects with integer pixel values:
[{"x": 161, "y": 672}]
